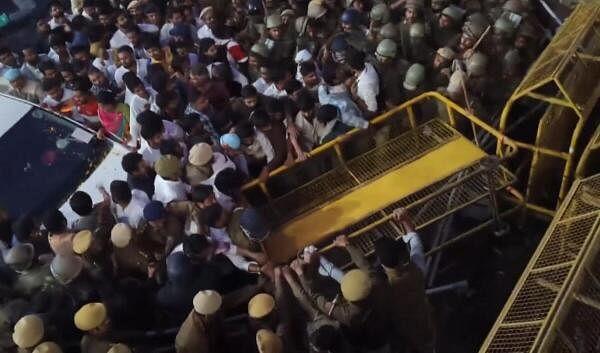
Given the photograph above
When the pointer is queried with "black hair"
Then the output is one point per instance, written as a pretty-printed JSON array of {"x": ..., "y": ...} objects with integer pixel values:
[
  {"x": 158, "y": 77},
  {"x": 79, "y": 23},
  {"x": 170, "y": 147},
  {"x": 391, "y": 252},
  {"x": 120, "y": 191},
  {"x": 356, "y": 61},
  {"x": 148, "y": 116},
  {"x": 199, "y": 70},
  {"x": 50, "y": 83},
  {"x": 211, "y": 214},
  {"x": 132, "y": 81},
  {"x": 249, "y": 91},
  {"x": 151, "y": 42},
  {"x": 305, "y": 102},
  {"x": 125, "y": 49},
  {"x": 47, "y": 65},
  {"x": 5, "y": 51},
  {"x": 130, "y": 162},
  {"x": 329, "y": 74},
  {"x": 54, "y": 221},
  {"x": 56, "y": 39},
  {"x": 244, "y": 130},
  {"x": 201, "y": 192},
  {"x": 204, "y": 44},
  {"x": 326, "y": 113},
  {"x": 106, "y": 97},
  {"x": 23, "y": 227},
  {"x": 81, "y": 203},
  {"x": 151, "y": 128},
  {"x": 66, "y": 67},
  {"x": 194, "y": 94},
  {"x": 195, "y": 244},
  {"x": 164, "y": 98},
  {"x": 292, "y": 86},
  {"x": 229, "y": 181},
  {"x": 275, "y": 106},
  {"x": 82, "y": 84},
  {"x": 79, "y": 49},
  {"x": 260, "y": 118},
  {"x": 307, "y": 67},
  {"x": 326, "y": 338}
]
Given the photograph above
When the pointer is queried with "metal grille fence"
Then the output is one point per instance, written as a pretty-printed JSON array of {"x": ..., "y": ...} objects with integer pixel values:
[{"x": 555, "y": 306}]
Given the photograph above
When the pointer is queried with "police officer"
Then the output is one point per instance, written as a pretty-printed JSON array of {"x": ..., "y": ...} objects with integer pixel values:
[
  {"x": 280, "y": 48},
  {"x": 379, "y": 16},
  {"x": 446, "y": 28},
  {"x": 391, "y": 70}
]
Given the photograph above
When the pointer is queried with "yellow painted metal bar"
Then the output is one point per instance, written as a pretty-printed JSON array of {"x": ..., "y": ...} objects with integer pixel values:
[
  {"x": 373, "y": 196},
  {"x": 505, "y": 141},
  {"x": 411, "y": 116},
  {"x": 521, "y": 282},
  {"x": 551, "y": 100}
]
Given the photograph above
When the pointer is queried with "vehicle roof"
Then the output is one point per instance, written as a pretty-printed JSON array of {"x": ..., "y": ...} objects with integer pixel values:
[{"x": 11, "y": 111}]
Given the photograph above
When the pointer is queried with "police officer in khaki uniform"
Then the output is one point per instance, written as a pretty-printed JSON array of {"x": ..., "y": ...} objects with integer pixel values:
[
  {"x": 411, "y": 312},
  {"x": 131, "y": 258},
  {"x": 362, "y": 309},
  {"x": 201, "y": 331}
]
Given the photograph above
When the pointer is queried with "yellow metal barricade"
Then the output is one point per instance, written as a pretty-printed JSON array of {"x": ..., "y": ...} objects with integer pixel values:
[
  {"x": 555, "y": 306},
  {"x": 353, "y": 183},
  {"x": 565, "y": 77}
]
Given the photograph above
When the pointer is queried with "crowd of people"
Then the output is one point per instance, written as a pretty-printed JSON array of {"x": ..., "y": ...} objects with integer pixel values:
[{"x": 207, "y": 96}]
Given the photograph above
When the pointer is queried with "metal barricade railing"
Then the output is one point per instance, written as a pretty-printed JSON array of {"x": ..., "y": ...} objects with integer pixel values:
[
  {"x": 346, "y": 162},
  {"x": 565, "y": 78},
  {"x": 555, "y": 306}
]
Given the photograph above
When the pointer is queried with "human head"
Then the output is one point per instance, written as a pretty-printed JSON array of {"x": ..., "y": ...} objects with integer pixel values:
[
  {"x": 261, "y": 306},
  {"x": 201, "y": 154},
  {"x": 125, "y": 56},
  {"x": 81, "y": 88},
  {"x": 28, "y": 331},
  {"x": 197, "y": 248},
  {"x": 120, "y": 235},
  {"x": 214, "y": 216},
  {"x": 261, "y": 120},
  {"x": 356, "y": 285},
  {"x": 274, "y": 25},
  {"x": 249, "y": 96},
  {"x": 7, "y": 57},
  {"x": 54, "y": 221},
  {"x": 14, "y": 78},
  {"x": 66, "y": 268},
  {"x": 443, "y": 57},
  {"x": 203, "y": 195},
  {"x": 327, "y": 113},
  {"x": 152, "y": 131},
  {"x": 154, "y": 212},
  {"x": 53, "y": 88},
  {"x": 391, "y": 253},
  {"x": 135, "y": 85},
  {"x": 20, "y": 257},
  {"x": 268, "y": 342},
  {"x": 168, "y": 167},
  {"x": 207, "y": 302},
  {"x": 229, "y": 181},
  {"x": 120, "y": 192},
  {"x": 306, "y": 105},
  {"x": 308, "y": 71},
  {"x": 81, "y": 203},
  {"x": 56, "y": 9},
  {"x": 92, "y": 318},
  {"x": 254, "y": 225}
]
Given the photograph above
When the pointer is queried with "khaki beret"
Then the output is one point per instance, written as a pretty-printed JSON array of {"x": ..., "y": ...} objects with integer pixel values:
[
  {"x": 268, "y": 342},
  {"x": 261, "y": 305},
  {"x": 356, "y": 285},
  {"x": 207, "y": 302},
  {"x": 28, "y": 331},
  {"x": 90, "y": 316},
  {"x": 82, "y": 241}
]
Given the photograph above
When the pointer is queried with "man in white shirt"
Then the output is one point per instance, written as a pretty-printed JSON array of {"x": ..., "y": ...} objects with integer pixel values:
[
  {"x": 128, "y": 205},
  {"x": 139, "y": 102},
  {"x": 129, "y": 63},
  {"x": 168, "y": 186},
  {"x": 56, "y": 97},
  {"x": 367, "y": 83},
  {"x": 220, "y": 223}
]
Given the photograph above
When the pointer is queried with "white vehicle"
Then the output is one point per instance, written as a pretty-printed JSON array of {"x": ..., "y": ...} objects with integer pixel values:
[{"x": 45, "y": 158}]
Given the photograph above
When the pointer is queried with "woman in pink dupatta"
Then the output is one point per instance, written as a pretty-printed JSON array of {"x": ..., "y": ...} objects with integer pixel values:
[{"x": 113, "y": 116}]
